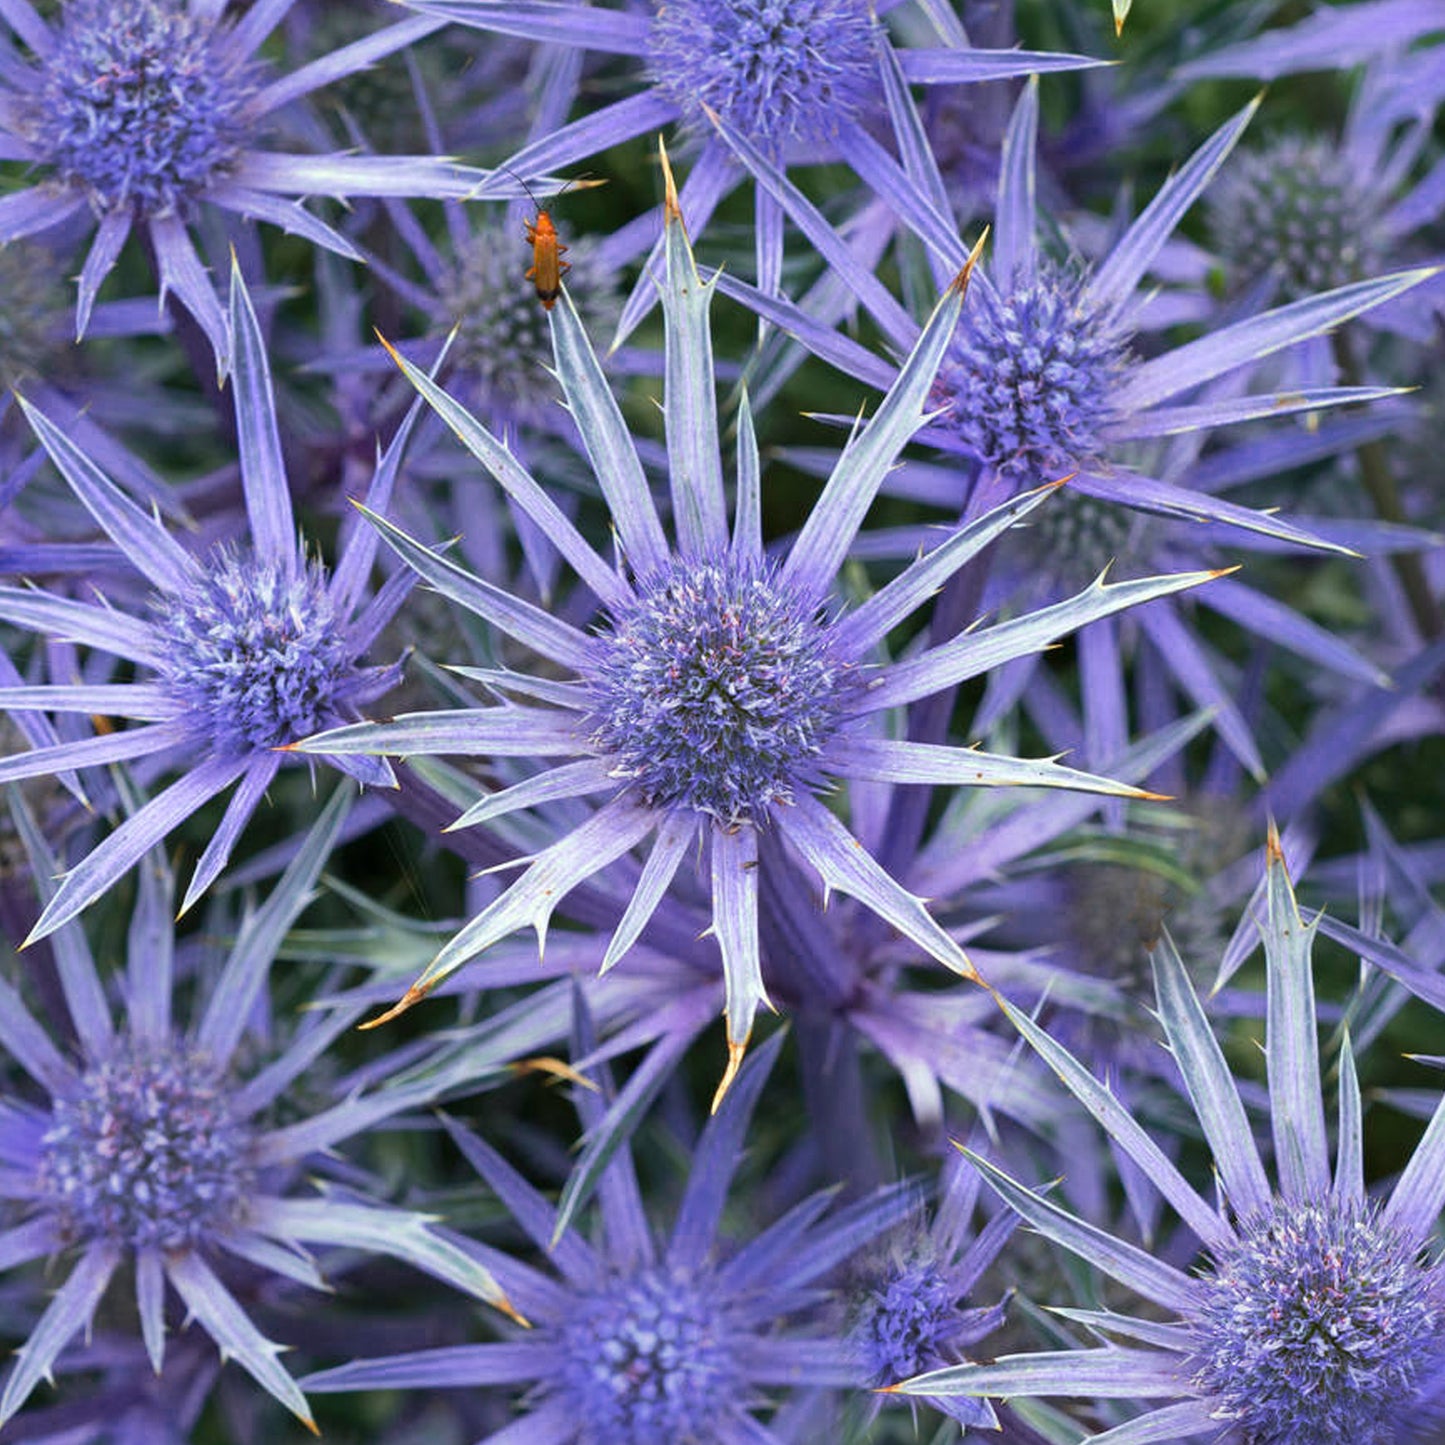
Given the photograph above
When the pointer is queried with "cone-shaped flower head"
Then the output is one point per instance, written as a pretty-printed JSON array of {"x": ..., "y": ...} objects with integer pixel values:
[
  {"x": 1295, "y": 209},
  {"x": 142, "y": 104},
  {"x": 716, "y": 694},
  {"x": 502, "y": 343},
  {"x": 781, "y": 73},
  {"x": 910, "y": 1307},
  {"x": 148, "y": 1150},
  {"x": 1030, "y": 380},
  {"x": 1314, "y": 1315},
  {"x": 254, "y": 652},
  {"x": 1317, "y": 1311}
]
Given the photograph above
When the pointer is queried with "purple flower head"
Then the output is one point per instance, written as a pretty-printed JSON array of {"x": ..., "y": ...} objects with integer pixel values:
[
  {"x": 1306, "y": 213},
  {"x": 1316, "y": 1313},
  {"x": 715, "y": 695},
  {"x": 910, "y": 1308},
  {"x": 142, "y": 104},
  {"x": 148, "y": 1148},
  {"x": 146, "y": 1151},
  {"x": 256, "y": 656},
  {"x": 143, "y": 111},
  {"x": 1296, "y": 208},
  {"x": 472, "y": 290},
  {"x": 1043, "y": 378},
  {"x": 717, "y": 688},
  {"x": 783, "y": 72},
  {"x": 502, "y": 344},
  {"x": 638, "y": 1341},
  {"x": 1030, "y": 382},
  {"x": 236, "y": 651},
  {"x": 1316, "y": 1310}
]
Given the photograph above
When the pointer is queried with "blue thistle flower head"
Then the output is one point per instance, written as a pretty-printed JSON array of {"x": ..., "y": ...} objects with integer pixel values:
[
  {"x": 1316, "y": 1313},
  {"x": 1296, "y": 209},
  {"x": 717, "y": 687},
  {"x": 1030, "y": 381},
  {"x": 252, "y": 651},
  {"x": 909, "y": 1307},
  {"x": 147, "y": 1147},
  {"x": 911, "y": 1321},
  {"x": 142, "y": 105},
  {"x": 644, "y": 1360},
  {"x": 781, "y": 72}
]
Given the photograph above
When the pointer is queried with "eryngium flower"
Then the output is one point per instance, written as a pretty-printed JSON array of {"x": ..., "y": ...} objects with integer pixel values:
[
  {"x": 143, "y": 110},
  {"x": 1316, "y": 1312},
  {"x": 235, "y": 652},
  {"x": 909, "y": 1308},
  {"x": 715, "y": 695},
  {"x": 150, "y": 1153},
  {"x": 641, "y": 1343}
]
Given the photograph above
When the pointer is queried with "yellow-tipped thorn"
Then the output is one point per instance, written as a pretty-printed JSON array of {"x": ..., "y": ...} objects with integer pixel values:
[
  {"x": 1145, "y": 796},
  {"x": 513, "y": 1314},
  {"x": 671, "y": 211},
  {"x": 1273, "y": 850},
  {"x": 735, "y": 1062},
  {"x": 391, "y": 351},
  {"x": 557, "y": 1068},
  {"x": 887, "y": 1389},
  {"x": 311, "y": 1425},
  {"x": 413, "y": 996},
  {"x": 960, "y": 282},
  {"x": 1224, "y": 571}
]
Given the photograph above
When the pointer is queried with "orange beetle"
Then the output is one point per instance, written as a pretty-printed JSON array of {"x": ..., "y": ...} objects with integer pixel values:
[{"x": 547, "y": 267}]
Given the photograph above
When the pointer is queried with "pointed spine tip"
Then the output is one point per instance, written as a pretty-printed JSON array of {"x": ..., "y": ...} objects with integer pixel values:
[
  {"x": 1217, "y": 572},
  {"x": 1273, "y": 851},
  {"x": 412, "y": 997},
  {"x": 960, "y": 282},
  {"x": 736, "y": 1051},
  {"x": 311, "y": 1425},
  {"x": 391, "y": 351},
  {"x": 671, "y": 210}
]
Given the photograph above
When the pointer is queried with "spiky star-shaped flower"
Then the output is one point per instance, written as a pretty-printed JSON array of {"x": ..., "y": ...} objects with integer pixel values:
[{"x": 715, "y": 697}]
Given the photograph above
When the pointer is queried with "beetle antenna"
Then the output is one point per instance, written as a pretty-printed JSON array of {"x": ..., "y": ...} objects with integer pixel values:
[{"x": 530, "y": 193}]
